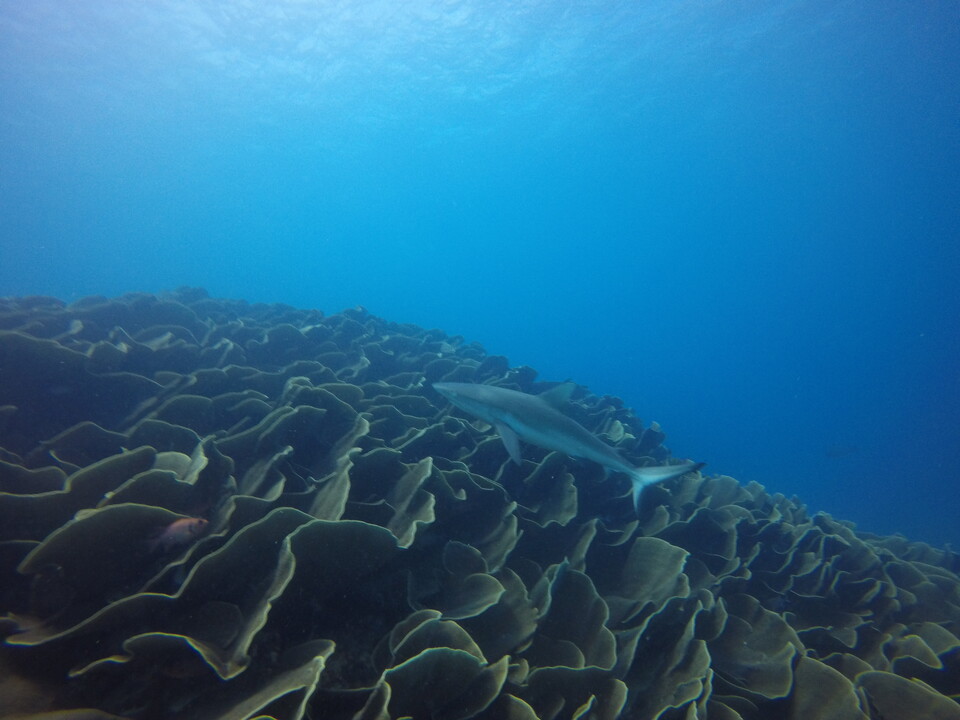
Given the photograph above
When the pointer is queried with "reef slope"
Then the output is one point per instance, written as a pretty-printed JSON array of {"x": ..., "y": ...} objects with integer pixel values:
[{"x": 216, "y": 510}]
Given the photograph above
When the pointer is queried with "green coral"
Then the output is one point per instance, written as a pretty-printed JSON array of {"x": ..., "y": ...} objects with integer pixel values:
[{"x": 367, "y": 556}]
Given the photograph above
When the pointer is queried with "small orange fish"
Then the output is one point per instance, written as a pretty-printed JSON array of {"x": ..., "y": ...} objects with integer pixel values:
[{"x": 180, "y": 532}]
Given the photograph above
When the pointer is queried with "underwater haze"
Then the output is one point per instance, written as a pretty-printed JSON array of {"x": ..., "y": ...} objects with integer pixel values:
[{"x": 740, "y": 217}]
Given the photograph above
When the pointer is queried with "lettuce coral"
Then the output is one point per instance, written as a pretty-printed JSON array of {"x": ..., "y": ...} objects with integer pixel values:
[{"x": 366, "y": 554}]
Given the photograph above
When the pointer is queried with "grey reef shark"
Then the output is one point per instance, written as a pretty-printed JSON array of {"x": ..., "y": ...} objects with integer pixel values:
[{"x": 537, "y": 420}]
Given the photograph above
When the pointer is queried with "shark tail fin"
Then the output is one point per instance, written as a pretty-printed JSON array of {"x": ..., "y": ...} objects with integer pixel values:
[{"x": 641, "y": 477}]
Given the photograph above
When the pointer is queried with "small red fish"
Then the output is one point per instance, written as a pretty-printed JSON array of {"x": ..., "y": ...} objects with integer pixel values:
[{"x": 180, "y": 532}]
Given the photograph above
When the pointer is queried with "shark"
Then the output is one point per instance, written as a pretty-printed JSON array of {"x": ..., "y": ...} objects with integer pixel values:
[{"x": 536, "y": 419}]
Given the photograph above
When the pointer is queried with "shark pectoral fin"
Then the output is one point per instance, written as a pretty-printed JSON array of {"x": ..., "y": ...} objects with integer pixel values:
[{"x": 510, "y": 441}]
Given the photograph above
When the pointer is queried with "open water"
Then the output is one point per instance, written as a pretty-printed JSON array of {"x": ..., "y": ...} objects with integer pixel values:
[{"x": 741, "y": 217}]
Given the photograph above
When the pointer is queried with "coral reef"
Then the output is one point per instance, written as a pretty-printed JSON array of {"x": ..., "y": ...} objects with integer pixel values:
[{"x": 367, "y": 552}]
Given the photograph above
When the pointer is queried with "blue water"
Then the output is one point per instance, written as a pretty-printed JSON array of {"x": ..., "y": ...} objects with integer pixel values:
[{"x": 741, "y": 217}]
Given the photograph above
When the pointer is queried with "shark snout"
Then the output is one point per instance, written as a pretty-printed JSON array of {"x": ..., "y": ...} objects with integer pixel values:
[{"x": 445, "y": 389}]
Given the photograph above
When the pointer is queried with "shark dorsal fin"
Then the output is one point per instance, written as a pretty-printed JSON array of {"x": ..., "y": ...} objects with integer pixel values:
[{"x": 559, "y": 396}]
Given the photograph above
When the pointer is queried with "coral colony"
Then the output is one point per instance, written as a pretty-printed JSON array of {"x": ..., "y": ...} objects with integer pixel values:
[{"x": 211, "y": 509}]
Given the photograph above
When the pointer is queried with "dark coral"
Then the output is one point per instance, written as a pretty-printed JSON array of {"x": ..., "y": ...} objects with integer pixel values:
[{"x": 369, "y": 554}]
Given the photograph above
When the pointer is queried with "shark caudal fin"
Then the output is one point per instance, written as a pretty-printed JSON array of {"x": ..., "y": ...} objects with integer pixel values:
[{"x": 641, "y": 477}]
